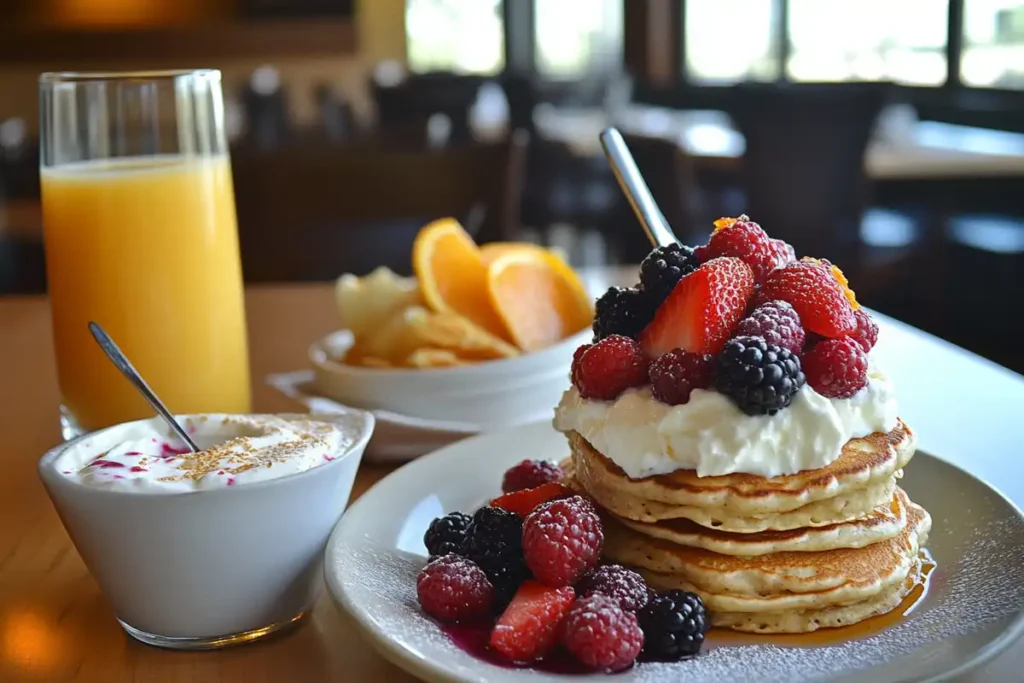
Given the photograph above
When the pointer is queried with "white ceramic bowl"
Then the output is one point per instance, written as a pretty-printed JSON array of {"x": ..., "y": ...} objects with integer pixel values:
[
  {"x": 489, "y": 395},
  {"x": 211, "y": 567}
]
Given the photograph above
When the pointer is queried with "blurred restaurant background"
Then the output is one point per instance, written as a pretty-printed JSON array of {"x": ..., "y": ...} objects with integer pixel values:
[{"x": 887, "y": 135}]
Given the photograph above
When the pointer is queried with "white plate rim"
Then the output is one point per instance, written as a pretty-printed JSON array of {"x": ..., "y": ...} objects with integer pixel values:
[{"x": 428, "y": 669}]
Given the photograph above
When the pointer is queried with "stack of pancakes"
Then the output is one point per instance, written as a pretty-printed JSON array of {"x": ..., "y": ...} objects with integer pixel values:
[{"x": 789, "y": 554}]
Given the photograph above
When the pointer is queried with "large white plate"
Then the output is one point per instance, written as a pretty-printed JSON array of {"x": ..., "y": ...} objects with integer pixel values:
[{"x": 973, "y": 610}]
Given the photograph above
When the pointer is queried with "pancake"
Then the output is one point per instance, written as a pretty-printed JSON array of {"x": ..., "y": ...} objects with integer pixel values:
[
  {"x": 776, "y": 582},
  {"x": 822, "y": 513},
  {"x": 863, "y": 462},
  {"x": 806, "y": 621},
  {"x": 885, "y": 522}
]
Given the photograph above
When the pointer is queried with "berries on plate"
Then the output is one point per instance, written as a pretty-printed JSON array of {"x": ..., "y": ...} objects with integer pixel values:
[
  {"x": 777, "y": 322},
  {"x": 525, "y": 501},
  {"x": 494, "y": 541},
  {"x": 622, "y": 585},
  {"x": 701, "y": 312},
  {"x": 836, "y": 368},
  {"x": 622, "y": 310},
  {"x": 760, "y": 378},
  {"x": 866, "y": 333},
  {"x": 609, "y": 367},
  {"x": 601, "y": 635},
  {"x": 562, "y": 540},
  {"x": 664, "y": 267},
  {"x": 746, "y": 241},
  {"x": 813, "y": 291},
  {"x": 451, "y": 588},
  {"x": 529, "y": 474},
  {"x": 677, "y": 373},
  {"x": 528, "y": 628},
  {"x": 674, "y": 624},
  {"x": 446, "y": 534}
]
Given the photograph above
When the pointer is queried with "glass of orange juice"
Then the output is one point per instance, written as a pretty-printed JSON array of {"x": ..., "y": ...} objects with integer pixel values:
[{"x": 140, "y": 236}]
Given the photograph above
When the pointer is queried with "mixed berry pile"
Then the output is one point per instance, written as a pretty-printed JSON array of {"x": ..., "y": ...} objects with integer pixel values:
[
  {"x": 527, "y": 567},
  {"x": 740, "y": 315}
]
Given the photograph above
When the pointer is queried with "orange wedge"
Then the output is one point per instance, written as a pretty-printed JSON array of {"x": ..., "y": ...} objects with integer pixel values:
[
  {"x": 491, "y": 251},
  {"x": 453, "y": 276},
  {"x": 538, "y": 296}
]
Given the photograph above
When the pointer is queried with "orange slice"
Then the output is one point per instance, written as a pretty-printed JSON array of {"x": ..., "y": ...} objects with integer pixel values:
[
  {"x": 539, "y": 297},
  {"x": 453, "y": 276},
  {"x": 491, "y": 251}
]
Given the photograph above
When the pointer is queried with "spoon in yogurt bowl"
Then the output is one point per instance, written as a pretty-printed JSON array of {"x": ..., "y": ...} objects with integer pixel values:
[
  {"x": 635, "y": 188},
  {"x": 122, "y": 363}
]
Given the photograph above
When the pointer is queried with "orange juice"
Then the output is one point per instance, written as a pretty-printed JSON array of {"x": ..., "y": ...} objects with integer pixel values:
[{"x": 147, "y": 248}]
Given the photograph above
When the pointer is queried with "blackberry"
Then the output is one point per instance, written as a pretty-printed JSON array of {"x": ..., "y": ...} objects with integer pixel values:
[
  {"x": 664, "y": 267},
  {"x": 494, "y": 541},
  {"x": 446, "y": 534},
  {"x": 622, "y": 310},
  {"x": 760, "y": 378},
  {"x": 674, "y": 624}
]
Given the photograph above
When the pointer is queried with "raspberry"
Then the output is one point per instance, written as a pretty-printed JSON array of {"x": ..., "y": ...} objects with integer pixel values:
[
  {"x": 784, "y": 253},
  {"x": 494, "y": 541},
  {"x": 760, "y": 378},
  {"x": 610, "y": 367},
  {"x": 777, "y": 323},
  {"x": 576, "y": 356},
  {"x": 664, "y": 267},
  {"x": 452, "y": 588},
  {"x": 677, "y": 373},
  {"x": 528, "y": 628},
  {"x": 622, "y": 585},
  {"x": 674, "y": 625},
  {"x": 746, "y": 241},
  {"x": 446, "y": 534},
  {"x": 622, "y": 310},
  {"x": 836, "y": 368},
  {"x": 529, "y": 474},
  {"x": 601, "y": 635},
  {"x": 815, "y": 294},
  {"x": 866, "y": 333},
  {"x": 562, "y": 540}
]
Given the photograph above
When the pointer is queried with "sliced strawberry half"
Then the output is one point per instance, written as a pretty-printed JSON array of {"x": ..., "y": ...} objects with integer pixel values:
[
  {"x": 523, "y": 502},
  {"x": 528, "y": 628},
  {"x": 813, "y": 290},
  {"x": 702, "y": 310}
]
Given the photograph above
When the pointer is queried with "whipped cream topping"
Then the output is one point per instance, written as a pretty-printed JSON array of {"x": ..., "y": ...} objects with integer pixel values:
[
  {"x": 711, "y": 435},
  {"x": 235, "y": 450}
]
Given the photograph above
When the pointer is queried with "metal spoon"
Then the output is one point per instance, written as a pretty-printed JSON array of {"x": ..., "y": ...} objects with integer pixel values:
[
  {"x": 118, "y": 358},
  {"x": 633, "y": 186}
]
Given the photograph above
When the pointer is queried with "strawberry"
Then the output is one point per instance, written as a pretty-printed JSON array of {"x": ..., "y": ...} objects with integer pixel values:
[
  {"x": 523, "y": 502},
  {"x": 701, "y": 312},
  {"x": 811, "y": 288},
  {"x": 528, "y": 628}
]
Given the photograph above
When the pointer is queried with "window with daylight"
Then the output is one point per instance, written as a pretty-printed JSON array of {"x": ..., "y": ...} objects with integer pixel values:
[
  {"x": 461, "y": 36},
  {"x": 903, "y": 41},
  {"x": 577, "y": 38},
  {"x": 993, "y": 48},
  {"x": 727, "y": 41}
]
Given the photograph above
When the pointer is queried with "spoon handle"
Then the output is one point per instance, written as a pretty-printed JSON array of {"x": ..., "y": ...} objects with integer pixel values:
[
  {"x": 635, "y": 189},
  {"x": 122, "y": 363}
]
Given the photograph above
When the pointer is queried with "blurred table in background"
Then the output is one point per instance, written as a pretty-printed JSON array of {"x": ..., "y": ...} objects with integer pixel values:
[{"x": 903, "y": 149}]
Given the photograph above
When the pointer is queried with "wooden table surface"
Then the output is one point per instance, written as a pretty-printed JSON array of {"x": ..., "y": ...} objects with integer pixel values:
[{"x": 56, "y": 626}]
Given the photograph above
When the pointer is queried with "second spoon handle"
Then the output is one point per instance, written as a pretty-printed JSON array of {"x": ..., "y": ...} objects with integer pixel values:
[{"x": 635, "y": 188}]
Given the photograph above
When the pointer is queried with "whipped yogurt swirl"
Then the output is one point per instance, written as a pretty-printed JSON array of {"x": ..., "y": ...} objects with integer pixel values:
[
  {"x": 711, "y": 435},
  {"x": 236, "y": 449}
]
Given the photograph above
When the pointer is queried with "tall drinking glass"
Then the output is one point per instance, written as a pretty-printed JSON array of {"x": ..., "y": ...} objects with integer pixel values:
[{"x": 140, "y": 236}]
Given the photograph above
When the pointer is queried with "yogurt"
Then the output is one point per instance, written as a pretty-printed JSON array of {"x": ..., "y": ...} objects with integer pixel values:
[
  {"x": 709, "y": 434},
  {"x": 236, "y": 450}
]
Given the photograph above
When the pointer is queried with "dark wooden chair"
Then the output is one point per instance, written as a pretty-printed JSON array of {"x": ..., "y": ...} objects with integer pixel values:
[
  {"x": 312, "y": 214},
  {"x": 418, "y": 97}
]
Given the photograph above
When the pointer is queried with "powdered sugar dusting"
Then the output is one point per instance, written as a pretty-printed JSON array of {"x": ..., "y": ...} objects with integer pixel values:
[{"x": 977, "y": 592}]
